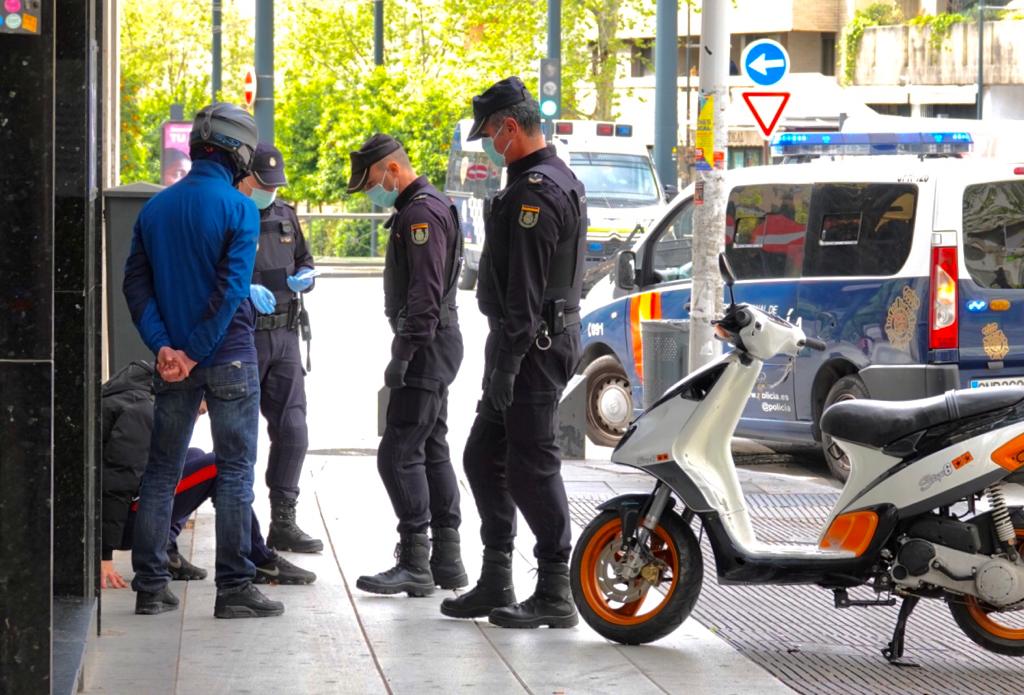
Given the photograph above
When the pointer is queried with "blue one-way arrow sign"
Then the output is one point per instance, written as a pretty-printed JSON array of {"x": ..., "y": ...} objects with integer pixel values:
[{"x": 765, "y": 62}]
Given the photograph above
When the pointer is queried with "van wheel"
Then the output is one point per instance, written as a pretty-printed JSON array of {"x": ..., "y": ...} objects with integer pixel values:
[
  {"x": 846, "y": 389},
  {"x": 467, "y": 280},
  {"x": 609, "y": 401}
]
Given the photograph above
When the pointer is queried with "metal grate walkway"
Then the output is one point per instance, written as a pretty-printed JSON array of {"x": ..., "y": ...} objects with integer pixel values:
[{"x": 794, "y": 632}]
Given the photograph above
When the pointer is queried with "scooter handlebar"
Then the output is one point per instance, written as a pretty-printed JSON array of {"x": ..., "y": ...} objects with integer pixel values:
[{"x": 815, "y": 344}]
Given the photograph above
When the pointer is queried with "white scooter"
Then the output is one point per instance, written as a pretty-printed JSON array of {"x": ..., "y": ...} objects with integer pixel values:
[{"x": 637, "y": 568}]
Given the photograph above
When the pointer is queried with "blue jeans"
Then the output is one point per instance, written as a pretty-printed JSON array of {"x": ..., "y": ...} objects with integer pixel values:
[{"x": 232, "y": 393}]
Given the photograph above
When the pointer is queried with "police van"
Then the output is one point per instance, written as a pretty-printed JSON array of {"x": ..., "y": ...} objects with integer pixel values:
[
  {"x": 624, "y": 195},
  {"x": 911, "y": 268}
]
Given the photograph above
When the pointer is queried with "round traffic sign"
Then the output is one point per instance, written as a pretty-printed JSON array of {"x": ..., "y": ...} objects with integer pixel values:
[
  {"x": 765, "y": 62},
  {"x": 249, "y": 86}
]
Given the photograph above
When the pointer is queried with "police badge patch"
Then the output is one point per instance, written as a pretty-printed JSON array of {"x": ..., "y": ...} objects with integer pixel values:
[
  {"x": 419, "y": 233},
  {"x": 528, "y": 216},
  {"x": 995, "y": 342}
]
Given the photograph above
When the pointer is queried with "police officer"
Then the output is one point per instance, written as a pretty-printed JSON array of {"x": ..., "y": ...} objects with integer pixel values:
[
  {"x": 421, "y": 270},
  {"x": 284, "y": 269},
  {"x": 531, "y": 276}
]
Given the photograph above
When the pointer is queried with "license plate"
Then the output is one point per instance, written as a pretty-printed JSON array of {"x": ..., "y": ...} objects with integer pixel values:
[{"x": 1005, "y": 381}]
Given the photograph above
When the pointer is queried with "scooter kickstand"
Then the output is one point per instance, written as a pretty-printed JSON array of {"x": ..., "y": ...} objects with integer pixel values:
[{"x": 894, "y": 652}]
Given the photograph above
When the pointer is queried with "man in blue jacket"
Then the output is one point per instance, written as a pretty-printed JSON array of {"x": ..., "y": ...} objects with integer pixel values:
[{"x": 187, "y": 287}]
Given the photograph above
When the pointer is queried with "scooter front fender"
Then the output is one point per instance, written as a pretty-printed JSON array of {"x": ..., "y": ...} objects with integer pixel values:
[{"x": 634, "y": 500}]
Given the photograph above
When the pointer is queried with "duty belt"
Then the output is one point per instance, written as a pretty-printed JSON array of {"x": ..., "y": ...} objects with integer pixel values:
[
  {"x": 572, "y": 318},
  {"x": 269, "y": 323}
]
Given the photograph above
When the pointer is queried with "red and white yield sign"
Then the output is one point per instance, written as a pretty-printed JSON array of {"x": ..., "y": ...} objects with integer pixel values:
[
  {"x": 249, "y": 86},
  {"x": 767, "y": 108}
]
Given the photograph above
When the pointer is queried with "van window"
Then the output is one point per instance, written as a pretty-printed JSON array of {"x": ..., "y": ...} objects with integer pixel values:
[
  {"x": 472, "y": 172},
  {"x": 672, "y": 255},
  {"x": 859, "y": 229},
  {"x": 764, "y": 230},
  {"x": 616, "y": 180},
  {"x": 994, "y": 234}
]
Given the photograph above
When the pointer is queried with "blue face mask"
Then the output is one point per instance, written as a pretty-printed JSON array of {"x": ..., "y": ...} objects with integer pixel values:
[
  {"x": 381, "y": 197},
  {"x": 262, "y": 198},
  {"x": 497, "y": 157}
]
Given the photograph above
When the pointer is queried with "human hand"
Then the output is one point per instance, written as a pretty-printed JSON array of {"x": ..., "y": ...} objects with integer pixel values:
[
  {"x": 168, "y": 365},
  {"x": 394, "y": 375},
  {"x": 110, "y": 578},
  {"x": 302, "y": 280},
  {"x": 499, "y": 390},
  {"x": 186, "y": 362},
  {"x": 263, "y": 298}
]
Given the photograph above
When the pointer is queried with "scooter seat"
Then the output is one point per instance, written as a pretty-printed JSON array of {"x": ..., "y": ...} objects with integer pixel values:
[{"x": 878, "y": 423}]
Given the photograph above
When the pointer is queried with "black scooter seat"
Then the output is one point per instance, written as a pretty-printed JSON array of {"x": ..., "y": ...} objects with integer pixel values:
[{"x": 878, "y": 423}]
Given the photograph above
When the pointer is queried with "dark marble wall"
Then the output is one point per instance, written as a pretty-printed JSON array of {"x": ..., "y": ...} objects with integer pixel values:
[
  {"x": 76, "y": 302},
  {"x": 26, "y": 357}
]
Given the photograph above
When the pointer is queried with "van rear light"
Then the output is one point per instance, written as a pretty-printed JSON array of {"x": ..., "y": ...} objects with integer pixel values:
[
  {"x": 1019, "y": 171},
  {"x": 606, "y": 129},
  {"x": 943, "y": 331},
  {"x": 623, "y": 131},
  {"x": 563, "y": 128}
]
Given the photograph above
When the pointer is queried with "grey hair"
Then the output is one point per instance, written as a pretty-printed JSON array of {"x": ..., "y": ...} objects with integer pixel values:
[{"x": 526, "y": 113}]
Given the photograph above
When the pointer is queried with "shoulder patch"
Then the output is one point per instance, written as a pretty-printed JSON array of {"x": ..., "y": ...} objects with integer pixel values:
[
  {"x": 419, "y": 233},
  {"x": 421, "y": 196},
  {"x": 528, "y": 216},
  {"x": 535, "y": 178}
]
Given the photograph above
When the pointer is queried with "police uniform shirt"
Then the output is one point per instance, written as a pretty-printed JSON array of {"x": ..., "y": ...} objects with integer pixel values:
[
  {"x": 528, "y": 220},
  {"x": 282, "y": 252},
  {"x": 420, "y": 244}
]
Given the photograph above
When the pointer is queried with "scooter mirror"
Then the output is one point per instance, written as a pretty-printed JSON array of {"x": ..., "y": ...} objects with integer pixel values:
[{"x": 726, "y": 270}]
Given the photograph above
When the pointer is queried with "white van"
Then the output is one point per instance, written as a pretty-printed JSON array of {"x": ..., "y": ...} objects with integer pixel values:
[{"x": 624, "y": 195}]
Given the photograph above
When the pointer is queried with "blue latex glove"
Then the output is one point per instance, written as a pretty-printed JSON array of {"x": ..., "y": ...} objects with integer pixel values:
[
  {"x": 302, "y": 280},
  {"x": 263, "y": 298}
]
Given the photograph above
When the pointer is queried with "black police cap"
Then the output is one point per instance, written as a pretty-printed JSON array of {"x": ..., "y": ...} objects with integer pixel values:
[
  {"x": 499, "y": 95},
  {"x": 268, "y": 165},
  {"x": 373, "y": 150}
]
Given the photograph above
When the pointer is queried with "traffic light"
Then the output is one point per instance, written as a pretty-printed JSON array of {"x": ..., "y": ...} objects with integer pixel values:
[{"x": 550, "y": 88}]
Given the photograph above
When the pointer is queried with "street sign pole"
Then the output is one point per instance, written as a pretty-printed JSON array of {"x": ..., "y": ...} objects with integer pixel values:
[
  {"x": 666, "y": 91},
  {"x": 709, "y": 197},
  {"x": 264, "y": 107}
]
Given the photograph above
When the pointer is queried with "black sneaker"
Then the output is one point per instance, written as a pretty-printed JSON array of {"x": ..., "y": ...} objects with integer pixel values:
[
  {"x": 277, "y": 570},
  {"x": 183, "y": 570},
  {"x": 246, "y": 602},
  {"x": 154, "y": 602}
]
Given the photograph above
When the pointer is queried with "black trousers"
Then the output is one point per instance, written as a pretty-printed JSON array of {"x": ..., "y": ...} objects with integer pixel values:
[
  {"x": 283, "y": 404},
  {"x": 414, "y": 462},
  {"x": 512, "y": 460}
]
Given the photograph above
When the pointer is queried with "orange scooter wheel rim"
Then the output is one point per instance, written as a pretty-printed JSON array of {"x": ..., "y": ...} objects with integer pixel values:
[
  {"x": 984, "y": 616},
  {"x": 596, "y": 573}
]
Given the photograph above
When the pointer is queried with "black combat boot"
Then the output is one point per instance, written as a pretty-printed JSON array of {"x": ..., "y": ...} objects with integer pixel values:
[
  {"x": 285, "y": 534},
  {"x": 493, "y": 590},
  {"x": 446, "y": 559},
  {"x": 411, "y": 574},
  {"x": 551, "y": 604}
]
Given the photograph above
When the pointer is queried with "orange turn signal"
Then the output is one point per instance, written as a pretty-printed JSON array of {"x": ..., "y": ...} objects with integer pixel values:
[
  {"x": 1010, "y": 455},
  {"x": 852, "y": 531}
]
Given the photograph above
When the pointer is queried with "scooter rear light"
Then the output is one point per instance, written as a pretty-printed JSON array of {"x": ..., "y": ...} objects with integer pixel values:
[
  {"x": 1010, "y": 455},
  {"x": 852, "y": 531},
  {"x": 943, "y": 331}
]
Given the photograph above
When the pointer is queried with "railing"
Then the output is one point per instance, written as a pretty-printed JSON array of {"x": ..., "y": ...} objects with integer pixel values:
[{"x": 344, "y": 234}]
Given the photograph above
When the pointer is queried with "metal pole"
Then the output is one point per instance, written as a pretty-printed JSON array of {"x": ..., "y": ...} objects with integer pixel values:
[
  {"x": 264, "y": 106},
  {"x": 378, "y": 32},
  {"x": 378, "y": 60},
  {"x": 555, "y": 29},
  {"x": 709, "y": 216},
  {"x": 666, "y": 91},
  {"x": 215, "y": 78},
  {"x": 981, "y": 52},
  {"x": 689, "y": 68}
]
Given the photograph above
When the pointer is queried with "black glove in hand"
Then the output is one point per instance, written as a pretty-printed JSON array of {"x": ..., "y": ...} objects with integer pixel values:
[
  {"x": 394, "y": 375},
  {"x": 499, "y": 390}
]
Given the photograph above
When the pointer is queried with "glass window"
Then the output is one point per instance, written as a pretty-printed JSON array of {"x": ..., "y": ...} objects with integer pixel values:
[
  {"x": 994, "y": 234},
  {"x": 672, "y": 255},
  {"x": 859, "y": 229},
  {"x": 616, "y": 180},
  {"x": 764, "y": 230}
]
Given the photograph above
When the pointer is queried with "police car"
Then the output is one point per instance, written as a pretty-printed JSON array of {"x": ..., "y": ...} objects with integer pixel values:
[
  {"x": 624, "y": 195},
  {"x": 911, "y": 268}
]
